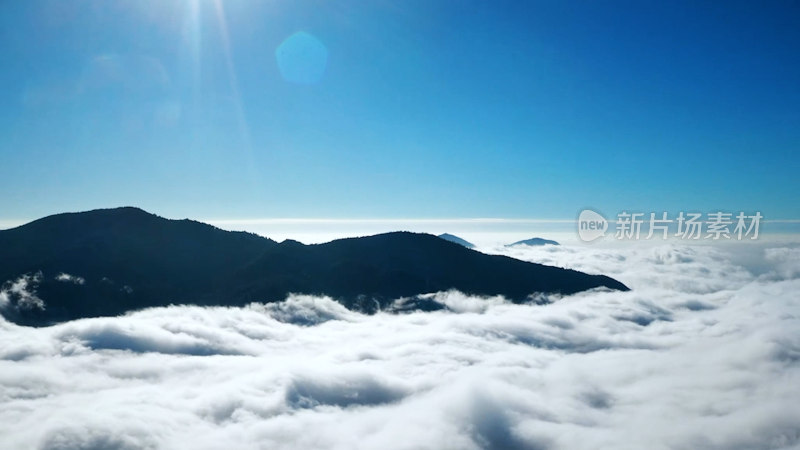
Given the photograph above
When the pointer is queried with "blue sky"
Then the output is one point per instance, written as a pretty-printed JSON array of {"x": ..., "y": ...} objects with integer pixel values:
[{"x": 442, "y": 109}]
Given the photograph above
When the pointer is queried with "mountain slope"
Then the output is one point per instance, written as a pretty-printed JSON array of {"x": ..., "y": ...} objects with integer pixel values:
[
  {"x": 533, "y": 242},
  {"x": 457, "y": 240},
  {"x": 107, "y": 262}
]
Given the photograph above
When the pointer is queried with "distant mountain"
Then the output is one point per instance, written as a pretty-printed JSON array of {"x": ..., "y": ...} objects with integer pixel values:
[
  {"x": 107, "y": 262},
  {"x": 457, "y": 240},
  {"x": 534, "y": 241}
]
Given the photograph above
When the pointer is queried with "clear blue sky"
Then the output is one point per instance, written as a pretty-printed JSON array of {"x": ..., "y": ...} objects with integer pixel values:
[{"x": 527, "y": 109}]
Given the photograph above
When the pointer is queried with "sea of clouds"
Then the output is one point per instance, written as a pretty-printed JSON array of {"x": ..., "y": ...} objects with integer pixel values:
[{"x": 702, "y": 353}]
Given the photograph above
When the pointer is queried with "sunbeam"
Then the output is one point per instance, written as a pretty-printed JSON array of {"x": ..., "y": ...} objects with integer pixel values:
[{"x": 233, "y": 81}]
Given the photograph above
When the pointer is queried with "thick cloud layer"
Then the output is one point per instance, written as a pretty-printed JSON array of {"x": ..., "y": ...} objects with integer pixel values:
[{"x": 704, "y": 352}]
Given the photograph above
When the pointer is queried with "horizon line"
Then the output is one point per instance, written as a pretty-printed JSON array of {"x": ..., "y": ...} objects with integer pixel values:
[{"x": 10, "y": 223}]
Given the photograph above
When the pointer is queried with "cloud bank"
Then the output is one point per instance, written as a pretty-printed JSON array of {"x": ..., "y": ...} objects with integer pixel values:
[{"x": 703, "y": 353}]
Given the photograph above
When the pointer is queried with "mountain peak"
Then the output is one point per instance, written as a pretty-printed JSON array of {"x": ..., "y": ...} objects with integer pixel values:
[
  {"x": 457, "y": 240},
  {"x": 534, "y": 242}
]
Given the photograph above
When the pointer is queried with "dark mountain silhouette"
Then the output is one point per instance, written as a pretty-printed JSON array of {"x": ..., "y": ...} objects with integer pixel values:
[
  {"x": 129, "y": 259},
  {"x": 457, "y": 240},
  {"x": 534, "y": 241}
]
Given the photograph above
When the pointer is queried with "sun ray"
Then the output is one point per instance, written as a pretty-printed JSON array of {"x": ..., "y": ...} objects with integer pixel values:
[{"x": 233, "y": 81}]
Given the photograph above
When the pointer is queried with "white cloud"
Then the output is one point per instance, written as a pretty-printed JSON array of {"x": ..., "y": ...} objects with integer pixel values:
[
  {"x": 21, "y": 293},
  {"x": 67, "y": 278},
  {"x": 702, "y": 353}
]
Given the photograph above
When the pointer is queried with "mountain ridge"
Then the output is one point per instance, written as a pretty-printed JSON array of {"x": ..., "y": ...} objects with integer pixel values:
[
  {"x": 537, "y": 241},
  {"x": 456, "y": 239},
  {"x": 129, "y": 259}
]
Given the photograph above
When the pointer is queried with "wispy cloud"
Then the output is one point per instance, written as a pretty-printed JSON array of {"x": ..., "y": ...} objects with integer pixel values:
[
  {"x": 21, "y": 293},
  {"x": 67, "y": 278}
]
